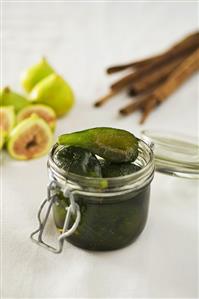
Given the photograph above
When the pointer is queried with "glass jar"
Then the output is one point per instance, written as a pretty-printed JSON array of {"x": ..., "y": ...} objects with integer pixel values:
[
  {"x": 110, "y": 213},
  {"x": 98, "y": 213}
]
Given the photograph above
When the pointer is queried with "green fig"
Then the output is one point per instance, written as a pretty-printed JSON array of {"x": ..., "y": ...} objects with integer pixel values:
[
  {"x": 35, "y": 74},
  {"x": 30, "y": 139},
  {"x": 54, "y": 92},
  {"x": 7, "y": 119},
  {"x": 3, "y": 136},
  {"x": 78, "y": 160},
  {"x": 43, "y": 111},
  {"x": 110, "y": 170},
  {"x": 111, "y": 144},
  {"x": 11, "y": 98}
]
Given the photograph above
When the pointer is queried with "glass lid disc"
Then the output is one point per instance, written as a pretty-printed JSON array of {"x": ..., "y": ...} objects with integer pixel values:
[{"x": 175, "y": 154}]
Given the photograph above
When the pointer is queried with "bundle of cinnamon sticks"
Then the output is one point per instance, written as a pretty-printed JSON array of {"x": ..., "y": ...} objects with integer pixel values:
[{"x": 150, "y": 81}]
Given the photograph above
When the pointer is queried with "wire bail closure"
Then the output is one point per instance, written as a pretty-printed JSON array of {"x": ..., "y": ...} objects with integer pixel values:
[{"x": 72, "y": 209}]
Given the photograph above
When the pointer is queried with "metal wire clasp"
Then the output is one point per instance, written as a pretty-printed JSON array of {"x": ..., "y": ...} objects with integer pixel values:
[{"x": 72, "y": 209}]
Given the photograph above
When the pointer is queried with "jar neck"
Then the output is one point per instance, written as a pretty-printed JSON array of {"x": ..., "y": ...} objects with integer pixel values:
[{"x": 134, "y": 181}]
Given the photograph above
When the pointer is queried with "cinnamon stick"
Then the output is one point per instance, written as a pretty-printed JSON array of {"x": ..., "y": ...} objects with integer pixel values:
[
  {"x": 154, "y": 78},
  {"x": 170, "y": 55},
  {"x": 105, "y": 98},
  {"x": 181, "y": 74},
  {"x": 148, "y": 82},
  {"x": 136, "y": 65},
  {"x": 188, "y": 67},
  {"x": 133, "y": 106},
  {"x": 190, "y": 39}
]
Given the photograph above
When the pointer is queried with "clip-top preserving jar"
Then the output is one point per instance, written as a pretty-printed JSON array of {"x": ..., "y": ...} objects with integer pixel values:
[
  {"x": 98, "y": 213},
  {"x": 109, "y": 213}
]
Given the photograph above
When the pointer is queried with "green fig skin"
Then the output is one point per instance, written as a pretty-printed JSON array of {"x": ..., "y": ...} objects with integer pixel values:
[
  {"x": 43, "y": 111},
  {"x": 114, "y": 145},
  {"x": 79, "y": 161},
  {"x": 110, "y": 170},
  {"x": 30, "y": 139},
  {"x": 54, "y": 92},
  {"x": 11, "y": 98},
  {"x": 35, "y": 74},
  {"x": 3, "y": 136},
  {"x": 7, "y": 119}
]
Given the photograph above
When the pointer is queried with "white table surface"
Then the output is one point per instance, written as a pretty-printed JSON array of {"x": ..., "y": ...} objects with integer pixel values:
[{"x": 80, "y": 40}]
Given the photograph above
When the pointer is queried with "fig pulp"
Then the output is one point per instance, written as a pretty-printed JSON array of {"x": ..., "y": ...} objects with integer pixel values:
[
  {"x": 7, "y": 119},
  {"x": 42, "y": 111},
  {"x": 78, "y": 161},
  {"x": 114, "y": 145},
  {"x": 3, "y": 136},
  {"x": 31, "y": 138}
]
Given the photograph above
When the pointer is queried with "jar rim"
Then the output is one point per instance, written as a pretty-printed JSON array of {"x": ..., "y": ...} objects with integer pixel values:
[{"x": 137, "y": 179}]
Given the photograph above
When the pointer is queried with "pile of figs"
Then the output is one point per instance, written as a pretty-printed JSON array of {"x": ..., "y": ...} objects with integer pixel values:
[{"x": 27, "y": 122}]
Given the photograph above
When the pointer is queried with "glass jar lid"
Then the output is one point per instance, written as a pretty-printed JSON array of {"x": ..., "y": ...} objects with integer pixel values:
[{"x": 175, "y": 154}]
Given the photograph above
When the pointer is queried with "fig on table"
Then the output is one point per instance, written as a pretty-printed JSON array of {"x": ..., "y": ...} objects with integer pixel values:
[
  {"x": 31, "y": 138},
  {"x": 55, "y": 92},
  {"x": 10, "y": 98},
  {"x": 35, "y": 73},
  {"x": 3, "y": 136},
  {"x": 43, "y": 111},
  {"x": 7, "y": 119}
]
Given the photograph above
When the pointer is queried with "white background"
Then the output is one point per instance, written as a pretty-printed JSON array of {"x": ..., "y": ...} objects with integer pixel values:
[{"x": 81, "y": 40}]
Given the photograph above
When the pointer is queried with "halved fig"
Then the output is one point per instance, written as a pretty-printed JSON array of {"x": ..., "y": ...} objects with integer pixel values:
[
  {"x": 43, "y": 111},
  {"x": 7, "y": 119},
  {"x": 3, "y": 136},
  {"x": 30, "y": 139},
  {"x": 10, "y": 98}
]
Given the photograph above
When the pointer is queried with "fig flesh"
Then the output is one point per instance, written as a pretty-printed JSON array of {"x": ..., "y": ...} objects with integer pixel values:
[
  {"x": 114, "y": 145},
  {"x": 31, "y": 138},
  {"x": 42, "y": 111},
  {"x": 54, "y": 92},
  {"x": 7, "y": 119},
  {"x": 3, "y": 136},
  {"x": 11, "y": 98},
  {"x": 35, "y": 74}
]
